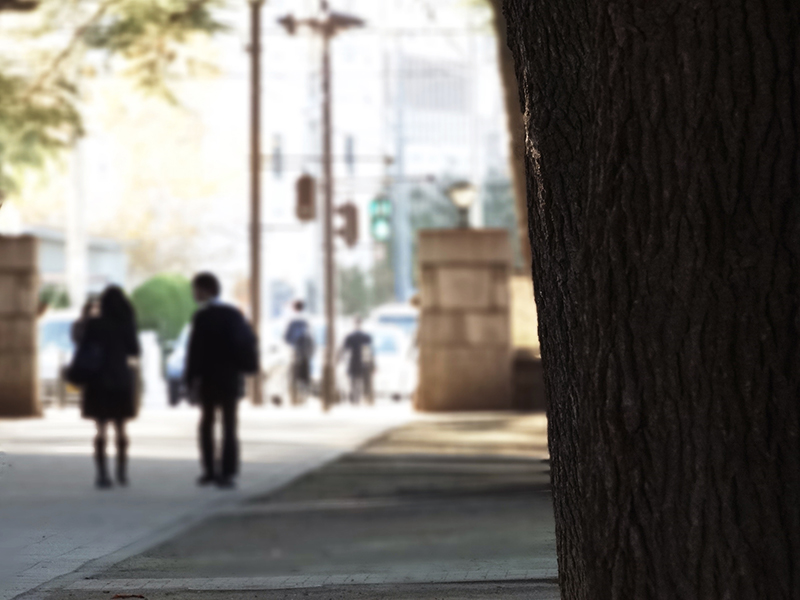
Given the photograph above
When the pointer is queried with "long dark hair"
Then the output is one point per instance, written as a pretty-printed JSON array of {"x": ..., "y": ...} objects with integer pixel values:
[{"x": 116, "y": 308}]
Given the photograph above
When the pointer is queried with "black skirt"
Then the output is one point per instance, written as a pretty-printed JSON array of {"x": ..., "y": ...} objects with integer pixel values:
[
  {"x": 101, "y": 402},
  {"x": 111, "y": 393}
]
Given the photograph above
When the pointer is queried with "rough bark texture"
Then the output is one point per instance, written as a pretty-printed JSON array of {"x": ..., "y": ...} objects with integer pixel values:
[
  {"x": 516, "y": 132},
  {"x": 663, "y": 156}
]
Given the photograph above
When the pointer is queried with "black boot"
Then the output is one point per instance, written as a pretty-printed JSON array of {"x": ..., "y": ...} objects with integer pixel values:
[
  {"x": 122, "y": 461},
  {"x": 103, "y": 480}
]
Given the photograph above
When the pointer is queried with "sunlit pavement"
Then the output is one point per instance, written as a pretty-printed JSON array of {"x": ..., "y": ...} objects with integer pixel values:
[{"x": 53, "y": 521}]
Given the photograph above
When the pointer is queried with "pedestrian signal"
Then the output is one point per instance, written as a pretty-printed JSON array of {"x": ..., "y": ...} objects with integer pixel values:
[
  {"x": 350, "y": 229},
  {"x": 306, "y": 208},
  {"x": 380, "y": 218}
]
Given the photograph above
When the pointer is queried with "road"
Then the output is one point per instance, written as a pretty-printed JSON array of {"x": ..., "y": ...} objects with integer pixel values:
[{"x": 53, "y": 521}]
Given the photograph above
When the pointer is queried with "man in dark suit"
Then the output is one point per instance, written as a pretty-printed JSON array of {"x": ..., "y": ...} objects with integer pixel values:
[{"x": 222, "y": 348}]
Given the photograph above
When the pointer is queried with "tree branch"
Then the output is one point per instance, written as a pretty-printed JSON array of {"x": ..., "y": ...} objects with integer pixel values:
[
  {"x": 19, "y": 5},
  {"x": 73, "y": 42}
]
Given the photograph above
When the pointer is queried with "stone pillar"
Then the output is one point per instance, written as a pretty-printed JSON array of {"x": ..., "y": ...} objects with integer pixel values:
[
  {"x": 465, "y": 331},
  {"x": 18, "y": 312}
]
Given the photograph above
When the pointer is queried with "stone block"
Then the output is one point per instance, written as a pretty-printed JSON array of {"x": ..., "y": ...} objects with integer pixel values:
[
  {"x": 17, "y": 334},
  {"x": 442, "y": 329},
  {"x": 464, "y": 334},
  {"x": 18, "y": 253},
  {"x": 464, "y": 329},
  {"x": 464, "y": 378},
  {"x": 464, "y": 288},
  {"x": 18, "y": 385},
  {"x": 464, "y": 246},
  {"x": 18, "y": 293},
  {"x": 501, "y": 292},
  {"x": 428, "y": 289},
  {"x": 487, "y": 329}
]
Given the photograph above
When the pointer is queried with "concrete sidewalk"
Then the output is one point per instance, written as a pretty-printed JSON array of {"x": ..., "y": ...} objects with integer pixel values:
[
  {"x": 453, "y": 506},
  {"x": 53, "y": 521}
]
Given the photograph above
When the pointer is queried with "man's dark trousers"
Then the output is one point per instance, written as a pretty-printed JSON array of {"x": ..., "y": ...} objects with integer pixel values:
[{"x": 230, "y": 443}]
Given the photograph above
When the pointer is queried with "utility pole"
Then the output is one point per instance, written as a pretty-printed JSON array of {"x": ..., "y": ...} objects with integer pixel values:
[
  {"x": 328, "y": 25},
  {"x": 329, "y": 367},
  {"x": 255, "y": 180}
]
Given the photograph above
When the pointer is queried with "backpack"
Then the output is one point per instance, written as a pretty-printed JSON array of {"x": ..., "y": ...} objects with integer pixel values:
[
  {"x": 246, "y": 349},
  {"x": 297, "y": 329}
]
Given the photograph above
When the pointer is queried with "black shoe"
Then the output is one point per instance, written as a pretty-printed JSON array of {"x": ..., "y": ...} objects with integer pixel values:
[
  {"x": 103, "y": 481},
  {"x": 122, "y": 462},
  {"x": 206, "y": 480},
  {"x": 226, "y": 483}
]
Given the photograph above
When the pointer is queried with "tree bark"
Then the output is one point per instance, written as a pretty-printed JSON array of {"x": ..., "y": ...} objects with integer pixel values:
[
  {"x": 663, "y": 158},
  {"x": 516, "y": 132}
]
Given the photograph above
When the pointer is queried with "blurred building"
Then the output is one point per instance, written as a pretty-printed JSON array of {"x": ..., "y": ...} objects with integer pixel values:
[
  {"x": 107, "y": 260},
  {"x": 416, "y": 98}
]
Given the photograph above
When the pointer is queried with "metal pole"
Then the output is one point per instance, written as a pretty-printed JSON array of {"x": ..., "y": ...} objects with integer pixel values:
[
  {"x": 329, "y": 372},
  {"x": 401, "y": 229},
  {"x": 255, "y": 179}
]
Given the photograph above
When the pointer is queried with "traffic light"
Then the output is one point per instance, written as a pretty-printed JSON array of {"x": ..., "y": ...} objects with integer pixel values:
[
  {"x": 306, "y": 208},
  {"x": 380, "y": 218},
  {"x": 289, "y": 23},
  {"x": 350, "y": 229}
]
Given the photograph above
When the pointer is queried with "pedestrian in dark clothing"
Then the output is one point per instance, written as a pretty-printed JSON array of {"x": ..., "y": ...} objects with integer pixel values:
[
  {"x": 222, "y": 349},
  {"x": 109, "y": 393},
  {"x": 298, "y": 336},
  {"x": 358, "y": 345}
]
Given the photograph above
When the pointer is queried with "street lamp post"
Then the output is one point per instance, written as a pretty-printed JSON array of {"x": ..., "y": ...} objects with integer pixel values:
[
  {"x": 255, "y": 179},
  {"x": 463, "y": 195},
  {"x": 328, "y": 25}
]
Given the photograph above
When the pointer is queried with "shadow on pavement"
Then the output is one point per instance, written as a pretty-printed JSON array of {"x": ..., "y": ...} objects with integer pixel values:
[{"x": 452, "y": 506}]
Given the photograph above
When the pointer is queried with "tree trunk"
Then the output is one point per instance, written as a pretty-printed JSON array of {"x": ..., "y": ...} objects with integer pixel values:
[
  {"x": 663, "y": 156},
  {"x": 516, "y": 132}
]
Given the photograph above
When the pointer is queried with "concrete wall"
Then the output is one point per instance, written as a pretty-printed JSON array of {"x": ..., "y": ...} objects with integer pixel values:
[
  {"x": 465, "y": 330},
  {"x": 18, "y": 312}
]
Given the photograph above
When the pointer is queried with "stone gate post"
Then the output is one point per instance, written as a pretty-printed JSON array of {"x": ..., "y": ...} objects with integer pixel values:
[
  {"x": 465, "y": 331},
  {"x": 18, "y": 313}
]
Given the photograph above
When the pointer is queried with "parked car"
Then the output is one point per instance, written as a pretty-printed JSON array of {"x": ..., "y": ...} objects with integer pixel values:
[
  {"x": 396, "y": 372},
  {"x": 54, "y": 353},
  {"x": 396, "y": 314}
]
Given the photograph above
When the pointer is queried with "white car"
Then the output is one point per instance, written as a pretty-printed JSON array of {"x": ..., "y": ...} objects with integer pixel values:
[
  {"x": 397, "y": 314},
  {"x": 396, "y": 371},
  {"x": 54, "y": 353}
]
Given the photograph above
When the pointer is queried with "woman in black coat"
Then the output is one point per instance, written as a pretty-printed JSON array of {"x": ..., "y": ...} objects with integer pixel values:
[{"x": 110, "y": 395}]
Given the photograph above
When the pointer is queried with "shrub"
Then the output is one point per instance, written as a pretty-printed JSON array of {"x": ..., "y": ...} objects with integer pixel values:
[{"x": 164, "y": 304}]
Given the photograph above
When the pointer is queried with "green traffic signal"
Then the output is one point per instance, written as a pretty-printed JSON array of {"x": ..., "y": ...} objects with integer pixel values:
[
  {"x": 380, "y": 217},
  {"x": 381, "y": 230}
]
